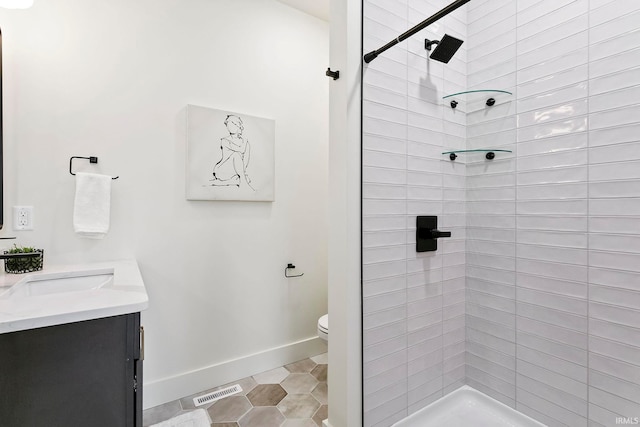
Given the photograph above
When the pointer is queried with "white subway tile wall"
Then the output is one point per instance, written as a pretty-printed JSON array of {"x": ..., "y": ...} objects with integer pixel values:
[
  {"x": 535, "y": 300},
  {"x": 553, "y": 385},
  {"x": 414, "y": 304}
]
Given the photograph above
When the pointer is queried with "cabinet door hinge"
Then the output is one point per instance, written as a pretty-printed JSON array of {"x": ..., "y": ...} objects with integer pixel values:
[{"x": 135, "y": 383}]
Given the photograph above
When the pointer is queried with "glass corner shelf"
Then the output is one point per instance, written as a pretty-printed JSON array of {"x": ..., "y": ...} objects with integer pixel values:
[
  {"x": 490, "y": 101},
  {"x": 491, "y": 154}
]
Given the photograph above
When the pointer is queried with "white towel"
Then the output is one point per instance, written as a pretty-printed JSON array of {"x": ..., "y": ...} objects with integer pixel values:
[{"x": 92, "y": 205}]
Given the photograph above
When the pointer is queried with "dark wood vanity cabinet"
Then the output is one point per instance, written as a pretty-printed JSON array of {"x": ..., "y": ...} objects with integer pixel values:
[{"x": 82, "y": 374}]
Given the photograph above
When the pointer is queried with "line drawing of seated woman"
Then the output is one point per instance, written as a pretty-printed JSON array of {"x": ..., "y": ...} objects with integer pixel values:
[{"x": 231, "y": 169}]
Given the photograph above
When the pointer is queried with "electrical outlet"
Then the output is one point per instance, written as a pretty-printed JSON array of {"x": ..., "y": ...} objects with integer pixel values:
[{"x": 23, "y": 217}]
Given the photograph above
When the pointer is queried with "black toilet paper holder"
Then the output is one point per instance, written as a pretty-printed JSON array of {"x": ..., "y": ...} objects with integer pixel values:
[
  {"x": 427, "y": 233},
  {"x": 291, "y": 267}
]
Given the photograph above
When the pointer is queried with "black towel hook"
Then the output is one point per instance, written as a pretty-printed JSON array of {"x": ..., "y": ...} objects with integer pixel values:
[
  {"x": 291, "y": 266},
  {"x": 91, "y": 159},
  {"x": 333, "y": 74}
]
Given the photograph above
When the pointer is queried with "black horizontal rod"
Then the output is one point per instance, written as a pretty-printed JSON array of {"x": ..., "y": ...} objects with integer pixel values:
[
  {"x": 435, "y": 17},
  {"x": 21, "y": 255}
]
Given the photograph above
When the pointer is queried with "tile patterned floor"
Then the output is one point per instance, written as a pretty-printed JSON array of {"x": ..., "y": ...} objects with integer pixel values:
[{"x": 294, "y": 395}]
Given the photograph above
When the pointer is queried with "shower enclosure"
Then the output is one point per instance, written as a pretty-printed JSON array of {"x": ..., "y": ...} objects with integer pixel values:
[{"x": 526, "y": 147}]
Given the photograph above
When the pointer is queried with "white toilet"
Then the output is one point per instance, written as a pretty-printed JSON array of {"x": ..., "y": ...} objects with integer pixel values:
[{"x": 323, "y": 327}]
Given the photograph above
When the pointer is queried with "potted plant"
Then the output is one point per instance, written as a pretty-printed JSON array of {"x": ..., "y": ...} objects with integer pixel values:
[{"x": 23, "y": 259}]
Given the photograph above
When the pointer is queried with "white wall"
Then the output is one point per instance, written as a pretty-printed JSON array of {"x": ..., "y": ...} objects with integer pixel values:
[
  {"x": 554, "y": 326},
  {"x": 413, "y": 303},
  {"x": 345, "y": 348},
  {"x": 112, "y": 79},
  {"x": 491, "y": 201}
]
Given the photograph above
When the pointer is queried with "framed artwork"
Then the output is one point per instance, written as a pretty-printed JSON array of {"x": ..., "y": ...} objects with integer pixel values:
[{"x": 230, "y": 156}]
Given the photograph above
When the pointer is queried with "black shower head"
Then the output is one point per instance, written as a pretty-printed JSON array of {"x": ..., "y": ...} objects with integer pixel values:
[{"x": 445, "y": 49}]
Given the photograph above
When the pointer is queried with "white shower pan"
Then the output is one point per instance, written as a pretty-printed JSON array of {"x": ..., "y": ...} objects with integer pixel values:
[{"x": 467, "y": 407}]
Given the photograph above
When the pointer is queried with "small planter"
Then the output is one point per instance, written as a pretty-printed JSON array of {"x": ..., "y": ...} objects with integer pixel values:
[{"x": 23, "y": 262}]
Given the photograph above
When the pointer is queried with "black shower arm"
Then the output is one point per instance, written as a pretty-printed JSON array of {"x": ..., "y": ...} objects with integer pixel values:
[{"x": 435, "y": 17}]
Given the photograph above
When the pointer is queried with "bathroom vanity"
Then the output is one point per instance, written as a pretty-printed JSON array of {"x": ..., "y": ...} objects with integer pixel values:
[{"x": 71, "y": 347}]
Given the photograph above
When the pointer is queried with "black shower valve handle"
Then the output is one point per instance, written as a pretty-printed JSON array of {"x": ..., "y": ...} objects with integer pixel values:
[
  {"x": 436, "y": 234},
  {"x": 427, "y": 233},
  {"x": 432, "y": 233}
]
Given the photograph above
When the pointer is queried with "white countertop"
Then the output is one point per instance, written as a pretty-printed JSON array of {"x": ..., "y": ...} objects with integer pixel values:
[{"x": 127, "y": 294}]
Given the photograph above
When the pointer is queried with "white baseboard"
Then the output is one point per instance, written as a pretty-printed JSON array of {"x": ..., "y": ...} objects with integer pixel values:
[{"x": 171, "y": 388}]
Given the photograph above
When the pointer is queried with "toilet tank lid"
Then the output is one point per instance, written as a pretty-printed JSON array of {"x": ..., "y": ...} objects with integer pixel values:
[{"x": 323, "y": 322}]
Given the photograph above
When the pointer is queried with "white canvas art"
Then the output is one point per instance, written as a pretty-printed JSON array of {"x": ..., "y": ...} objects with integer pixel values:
[{"x": 230, "y": 156}]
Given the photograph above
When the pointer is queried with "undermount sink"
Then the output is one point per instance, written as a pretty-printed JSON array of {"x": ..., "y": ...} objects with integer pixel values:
[{"x": 49, "y": 284}]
